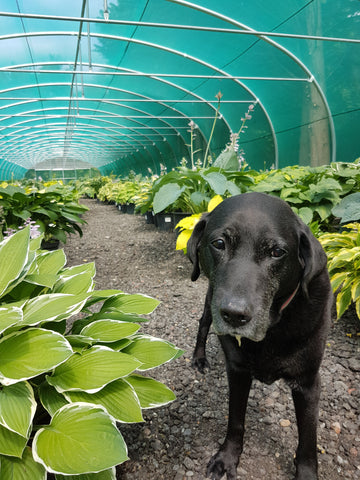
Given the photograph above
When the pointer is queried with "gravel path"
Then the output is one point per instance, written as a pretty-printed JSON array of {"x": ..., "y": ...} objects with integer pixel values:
[{"x": 176, "y": 441}]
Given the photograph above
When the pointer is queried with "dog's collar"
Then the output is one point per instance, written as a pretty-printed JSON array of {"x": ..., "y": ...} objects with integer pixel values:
[{"x": 286, "y": 303}]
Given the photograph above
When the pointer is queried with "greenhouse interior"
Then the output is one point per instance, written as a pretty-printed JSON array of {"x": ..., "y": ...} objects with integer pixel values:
[
  {"x": 136, "y": 135},
  {"x": 114, "y": 84}
]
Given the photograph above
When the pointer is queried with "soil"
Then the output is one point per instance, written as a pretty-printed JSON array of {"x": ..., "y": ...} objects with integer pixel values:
[{"x": 176, "y": 441}]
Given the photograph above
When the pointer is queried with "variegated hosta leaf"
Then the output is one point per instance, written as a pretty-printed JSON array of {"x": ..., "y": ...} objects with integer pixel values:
[
  {"x": 14, "y": 253},
  {"x": 92, "y": 370},
  {"x": 109, "y": 330},
  {"x": 85, "y": 429},
  {"x": 119, "y": 399},
  {"x": 17, "y": 408},
  {"x": 11, "y": 443},
  {"x": 52, "y": 307},
  {"x": 140, "y": 304},
  {"x": 29, "y": 353},
  {"x": 50, "y": 398},
  {"x": 151, "y": 351},
  {"x": 150, "y": 392},
  {"x": 9, "y": 316},
  {"x": 343, "y": 299},
  {"x": 76, "y": 280},
  {"x": 25, "y": 468}
]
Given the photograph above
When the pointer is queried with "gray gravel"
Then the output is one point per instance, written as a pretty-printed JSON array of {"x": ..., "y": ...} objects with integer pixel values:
[{"x": 177, "y": 441}]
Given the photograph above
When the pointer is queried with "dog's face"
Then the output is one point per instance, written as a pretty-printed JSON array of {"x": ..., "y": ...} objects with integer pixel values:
[{"x": 254, "y": 251}]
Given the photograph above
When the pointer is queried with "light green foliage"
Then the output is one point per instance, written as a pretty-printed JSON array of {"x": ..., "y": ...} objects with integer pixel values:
[
  {"x": 71, "y": 372},
  {"x": 312, "y": 192},
  {"x": 343, "y": 250}
]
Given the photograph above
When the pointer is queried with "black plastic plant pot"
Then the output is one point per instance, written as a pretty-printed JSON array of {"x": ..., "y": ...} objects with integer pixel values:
[{"x": 164, "y": 221}]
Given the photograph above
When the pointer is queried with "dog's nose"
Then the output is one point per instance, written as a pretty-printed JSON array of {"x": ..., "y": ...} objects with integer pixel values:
[{"x": 237, "y": 315}]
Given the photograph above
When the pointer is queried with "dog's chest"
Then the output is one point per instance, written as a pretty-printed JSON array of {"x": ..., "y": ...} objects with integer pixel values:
[{"x": 267, "y": 365}]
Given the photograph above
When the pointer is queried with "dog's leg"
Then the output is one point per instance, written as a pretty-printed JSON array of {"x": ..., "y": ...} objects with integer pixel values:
[
  {"x": 306, "y": 401},
  {"x": 199, "y": 356},
  {"x": 227, "y": 458}
]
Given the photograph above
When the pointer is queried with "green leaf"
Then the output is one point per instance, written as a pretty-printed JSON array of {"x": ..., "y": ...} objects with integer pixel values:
[
  {"x": 119, "y": 399},
  {"x": 24, "y": 468},
  {"x": 51, "y": 262},
  {"x": 150, "y": 392},
  {"x": 17, "y": 408},
  {"x": 343, "y": 300},
  {"x": 50, "y": 398},
  {"x": 29, "y": 353},
  {"x": 232, "y": 188},
  {"x": 306, "y": 214},
  {"x": 324, "y": 210},
  {"x": 355, "y": 289},
  {"x": 337, "y": 280},
  {"x": 14, "y": 253},
  {"x": 348, "y": 209},
  {"x": 167, "y": 195},
  {"x": 92, "y": 370},
  {"x": 86, "y": 430},
  {"x": 9, "y": 316},
  {"x": 77, "y": 284},
  {"x": 52, "y": 307},
  {"x": 104, "y": 475},
  {"x": 151, "y": 351},
  {"x": 109, "y": 330},
  {"x": 217, "y": 182},
  {"x": 139, "y": 304},
  {"x": 227, "y": 160},
  {"x": 197, "y": 198},
  {"x": 11, "y": 443}
]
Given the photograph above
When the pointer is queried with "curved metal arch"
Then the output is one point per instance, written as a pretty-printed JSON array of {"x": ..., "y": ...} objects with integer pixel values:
[
  {"x": 169, "y": 50},
  {"x": 33, "y": 140},
  {"x": 99, "y": 120},
  {"x": 157, "y": 132},
  {"x": 153, "y": 116},
  {"x": 153, "y": 77},
  {"x": 111, "y": 115},
  {"x": 97, "y": 133},
  {"x": 279, "y": 47}
]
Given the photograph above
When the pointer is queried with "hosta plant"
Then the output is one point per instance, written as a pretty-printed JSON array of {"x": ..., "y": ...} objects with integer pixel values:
[
  {"x": 67, "y": 374},
  {"x": 343, "y": 250},
  {"x": 54, "y": 208}
]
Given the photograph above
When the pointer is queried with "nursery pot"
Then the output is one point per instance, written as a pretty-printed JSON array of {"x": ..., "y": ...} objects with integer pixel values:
[
  {"x": 130, "y": 208},
  {"x": 164, "y": 221},
  {"x": 149, "y": 217},
  {"x": 51, "y": 244}
]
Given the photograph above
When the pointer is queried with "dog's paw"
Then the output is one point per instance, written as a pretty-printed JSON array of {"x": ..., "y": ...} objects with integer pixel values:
[
  {"x": 200, "y": 364},
  {"x": 219, "y": 465}
]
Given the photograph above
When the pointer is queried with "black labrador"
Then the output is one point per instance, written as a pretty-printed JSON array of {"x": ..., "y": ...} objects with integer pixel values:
[{"x": 269, "y": 300}]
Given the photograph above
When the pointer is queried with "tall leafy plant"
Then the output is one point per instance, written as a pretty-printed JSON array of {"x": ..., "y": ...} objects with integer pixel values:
[
  {"x": 343, "y": 250},
  {"x": 67, "y": 375}
]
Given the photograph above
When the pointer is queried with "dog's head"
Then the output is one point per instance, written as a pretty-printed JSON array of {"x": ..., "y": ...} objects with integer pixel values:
[{"x": 258, "y": 255}]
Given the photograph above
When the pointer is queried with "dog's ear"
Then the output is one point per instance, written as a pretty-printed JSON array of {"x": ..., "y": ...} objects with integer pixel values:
[
  {"x": 193, "y": 246},
  {"x": 312, "y": 257}
]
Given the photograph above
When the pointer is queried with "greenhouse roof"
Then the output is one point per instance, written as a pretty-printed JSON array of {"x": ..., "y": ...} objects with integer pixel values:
[{"x": 115, "y": 84}]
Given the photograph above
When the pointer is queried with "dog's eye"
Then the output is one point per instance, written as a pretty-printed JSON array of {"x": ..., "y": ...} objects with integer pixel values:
[
  {"x": 277, "y": 252},
  {"x": 219, "y": 244}
]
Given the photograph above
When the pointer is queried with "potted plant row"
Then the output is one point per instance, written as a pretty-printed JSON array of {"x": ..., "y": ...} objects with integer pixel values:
[{"x": 54, "y": 208}]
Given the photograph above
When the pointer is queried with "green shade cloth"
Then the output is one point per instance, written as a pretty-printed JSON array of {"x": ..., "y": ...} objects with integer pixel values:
[{"x": 118, "y": 94}]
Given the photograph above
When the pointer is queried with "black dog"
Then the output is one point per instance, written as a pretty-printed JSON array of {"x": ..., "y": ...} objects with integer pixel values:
[{"x": 269, "y": 300}]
